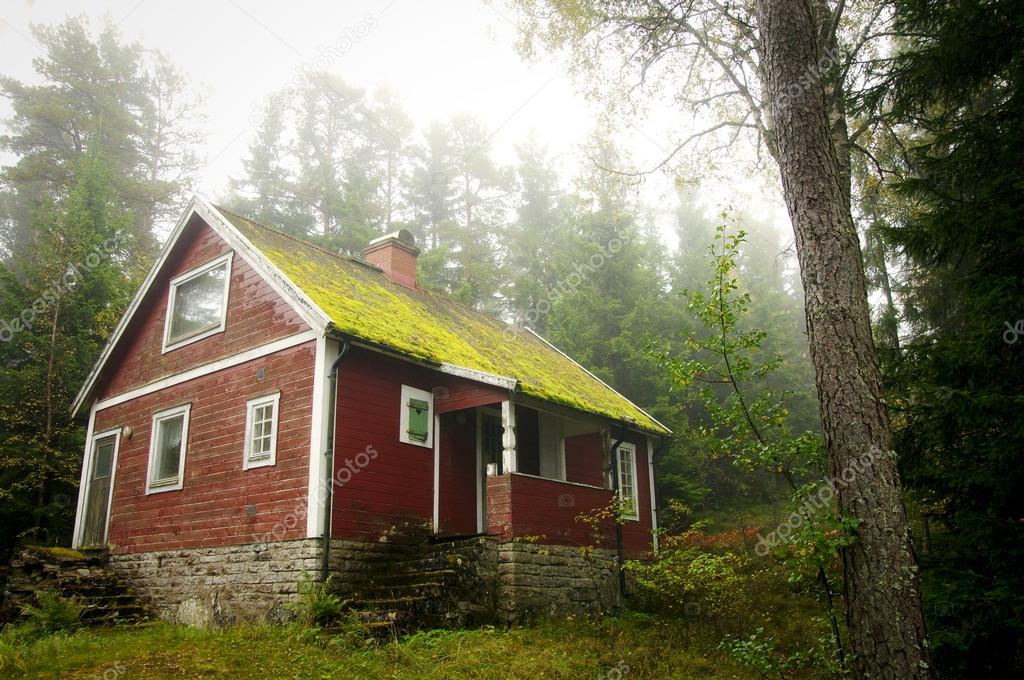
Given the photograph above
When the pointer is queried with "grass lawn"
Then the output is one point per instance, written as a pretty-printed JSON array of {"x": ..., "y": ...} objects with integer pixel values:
[{"x": 617, "y": 648}]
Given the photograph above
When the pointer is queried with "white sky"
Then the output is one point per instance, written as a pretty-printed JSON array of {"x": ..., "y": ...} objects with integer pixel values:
[{"x": 441, "y": 56}]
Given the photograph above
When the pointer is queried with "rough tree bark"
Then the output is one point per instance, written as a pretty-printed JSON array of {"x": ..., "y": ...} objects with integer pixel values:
[{"x": 886, "y": 627}]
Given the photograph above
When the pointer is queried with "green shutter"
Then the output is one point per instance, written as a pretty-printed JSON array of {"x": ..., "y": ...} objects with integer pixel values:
[{"x": 419, "y": 419}]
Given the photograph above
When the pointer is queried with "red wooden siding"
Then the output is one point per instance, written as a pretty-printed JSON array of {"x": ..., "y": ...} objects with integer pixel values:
[
  {"x": 455, "y": 395},
  {"x": 584, "y": 459},
  {"x": 211, "y": 508},
  {"x": 520, "y": 506},
  {"x": 256, "y": 315},
  {"x": 637, "y": 535},
  {"x": 457, "y": 507},
  {"x": 397, "y": 485}
]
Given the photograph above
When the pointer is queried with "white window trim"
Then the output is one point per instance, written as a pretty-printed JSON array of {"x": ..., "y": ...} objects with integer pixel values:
[
  {"x": 184, "y": 278},
  {"x": 157, "y": 417},
  {"x": 628, "y": 448},
  {"x": 403, "y": 425},
  {"x": 250, "y": 410}
]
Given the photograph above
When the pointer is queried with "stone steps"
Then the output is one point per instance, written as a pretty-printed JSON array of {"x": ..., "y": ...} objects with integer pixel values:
[
  {"x": 415, "y": 586},
  {"x": 82, "y": 576}
]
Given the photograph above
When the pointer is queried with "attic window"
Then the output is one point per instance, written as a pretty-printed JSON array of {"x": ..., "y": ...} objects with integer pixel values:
[
  {"x": 197, "y": 304},
  {"x": 416, "y": 422}
]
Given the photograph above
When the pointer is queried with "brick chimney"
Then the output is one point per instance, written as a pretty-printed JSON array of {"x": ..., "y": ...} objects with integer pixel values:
[{"x": 396, "y": 254}]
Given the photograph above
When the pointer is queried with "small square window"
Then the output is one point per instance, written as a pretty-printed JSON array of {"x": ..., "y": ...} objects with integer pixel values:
[
  {"x": 627, "y": 481},
  {"x": 197, "y": 303},
  {"x": 261, "y": 431},
  {"x": 168, "y": 441},
  {"x": 417, "y": 417}
]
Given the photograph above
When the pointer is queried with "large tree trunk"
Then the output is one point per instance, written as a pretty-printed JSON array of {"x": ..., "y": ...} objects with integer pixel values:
[{"x": 887, "y": 635}]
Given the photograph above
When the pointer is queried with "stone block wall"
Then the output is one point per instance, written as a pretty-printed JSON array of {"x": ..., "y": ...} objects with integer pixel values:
[
  {"x": 453, "y": 584},
  {"x": 217, "y": 586},
  {"x": 554, "y": 580}
]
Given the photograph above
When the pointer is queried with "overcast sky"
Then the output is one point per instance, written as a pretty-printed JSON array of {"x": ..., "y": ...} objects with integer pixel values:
[{"x": 441, "y": 56}]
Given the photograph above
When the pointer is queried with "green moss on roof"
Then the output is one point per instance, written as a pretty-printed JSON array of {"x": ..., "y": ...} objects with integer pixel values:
[{"x": 363, "y": 303}]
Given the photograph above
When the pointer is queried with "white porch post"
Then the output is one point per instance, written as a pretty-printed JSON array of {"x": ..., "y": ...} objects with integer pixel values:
[
  {"x": 654, "y": 499},
  {"x": 508, "y": 436},
  {"x": 437, "y": 473}
]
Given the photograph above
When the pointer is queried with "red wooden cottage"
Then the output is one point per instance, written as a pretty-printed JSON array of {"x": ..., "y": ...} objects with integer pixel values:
[{"x": 268, "y": 411}]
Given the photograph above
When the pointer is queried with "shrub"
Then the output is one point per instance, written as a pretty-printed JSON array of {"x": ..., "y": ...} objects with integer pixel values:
[
  {"x": 688, "y": 581},
  {"x": 760, "y": 654},
  {"x": 52, "y": 613},
  {"x": 317, "y": 605}
]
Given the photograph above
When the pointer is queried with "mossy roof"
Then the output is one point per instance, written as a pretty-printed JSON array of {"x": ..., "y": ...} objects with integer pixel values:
[{"x": 364, "y": 304}]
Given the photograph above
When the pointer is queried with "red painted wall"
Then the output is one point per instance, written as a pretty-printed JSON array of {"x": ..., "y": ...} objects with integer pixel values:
[
  {"x": 457, "y": 508},
  {"x": 637, "y": 534},
  {"x": 521, "y": 506},
  {"x": 211, "y": 508},
  {"x": 397, "y": 485},
  {"x": 256, "y": 315}
]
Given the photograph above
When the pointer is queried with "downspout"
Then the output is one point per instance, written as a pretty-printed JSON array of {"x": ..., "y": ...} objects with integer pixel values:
[
  {"x": 620, "y": 549},
  {"x": 325, "y": 563}
]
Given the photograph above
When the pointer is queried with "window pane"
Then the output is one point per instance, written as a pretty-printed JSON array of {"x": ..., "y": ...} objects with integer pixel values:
[
  {"x": 169, "y": 448},
  {"x": 627, "y": 485},
  {"x": 262, "y": 433},
  {"x": 198, "y": 304},
  {"x": 104, "y": 458}
]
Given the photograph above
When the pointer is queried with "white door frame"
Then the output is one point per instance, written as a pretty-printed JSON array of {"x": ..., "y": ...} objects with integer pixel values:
[{"x": 83, "y": 492}]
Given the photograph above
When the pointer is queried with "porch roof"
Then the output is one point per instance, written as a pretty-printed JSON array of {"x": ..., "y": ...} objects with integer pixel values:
[{"x": 364, "y": 304}]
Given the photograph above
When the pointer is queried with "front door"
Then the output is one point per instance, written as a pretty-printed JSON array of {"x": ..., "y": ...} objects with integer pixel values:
[{"x": 97, "y": 489}]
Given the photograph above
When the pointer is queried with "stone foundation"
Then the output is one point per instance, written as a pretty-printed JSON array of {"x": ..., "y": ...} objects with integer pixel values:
[
  {"x": 452, "y": 584},
  {"x": 555, "y": 580},
  {"x": 217, "y": 586}
]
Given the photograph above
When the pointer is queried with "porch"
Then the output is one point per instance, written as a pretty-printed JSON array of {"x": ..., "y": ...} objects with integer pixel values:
[{"x": 526, "y": 472}]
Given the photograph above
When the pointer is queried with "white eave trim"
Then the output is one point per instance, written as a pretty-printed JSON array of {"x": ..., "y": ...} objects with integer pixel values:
[
  {"x": 635, "y": 425},
  {"x": 480, "y": 376},
  {"x": 303, "y": 305}
]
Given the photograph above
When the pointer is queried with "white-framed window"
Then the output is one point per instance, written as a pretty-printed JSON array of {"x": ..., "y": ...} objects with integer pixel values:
[
  {"x": 261, "y": 416},
  {"x": 627, "y": 481},
  {"x": 167, "y": 443},
  {"x": 197, "y": 305},
  {"x": 416, "y": 422}
]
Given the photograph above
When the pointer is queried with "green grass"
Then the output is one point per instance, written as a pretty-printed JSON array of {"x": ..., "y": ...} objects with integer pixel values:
[{"x": 637, "y": 646}]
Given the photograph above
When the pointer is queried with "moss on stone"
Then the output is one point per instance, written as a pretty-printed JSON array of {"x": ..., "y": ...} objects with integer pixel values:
[
  {"x": 59, "y": 553},
  {"x": 364, "y": 304}
]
